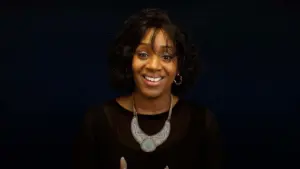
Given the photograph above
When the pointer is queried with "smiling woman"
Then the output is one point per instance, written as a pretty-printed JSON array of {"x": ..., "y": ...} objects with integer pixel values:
[
  {"x": 151, "y": 33},
  {"x": 152, "y": 126},
  {"x": 154, "y": 64}
]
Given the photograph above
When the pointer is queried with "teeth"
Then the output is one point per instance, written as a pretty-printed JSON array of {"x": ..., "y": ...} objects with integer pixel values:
[{"x": 152, "y": 79}]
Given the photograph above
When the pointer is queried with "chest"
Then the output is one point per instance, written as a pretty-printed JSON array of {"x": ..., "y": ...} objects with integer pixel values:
[
  {"x": 183, "y": 154},
  {"x": 183, "y": 149}
]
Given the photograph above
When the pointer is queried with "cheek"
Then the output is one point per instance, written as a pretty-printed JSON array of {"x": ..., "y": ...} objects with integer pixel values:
[
  {"x": 173, "y": 68},
  {"x": 135, "y": 65},
  {"x": 172, "y": 71}
]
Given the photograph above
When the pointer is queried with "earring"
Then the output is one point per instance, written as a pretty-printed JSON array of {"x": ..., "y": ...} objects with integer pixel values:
[{"x": 179, "y": 81}]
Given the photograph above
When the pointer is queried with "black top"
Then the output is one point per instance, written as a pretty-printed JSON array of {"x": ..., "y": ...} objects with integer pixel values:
[{"x": 105, "y": 137}]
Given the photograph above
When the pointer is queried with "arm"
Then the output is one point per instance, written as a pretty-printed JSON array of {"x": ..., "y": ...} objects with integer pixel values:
[
  {"x": 213, "y": 142},
  {"x": 86, "y": 148}
]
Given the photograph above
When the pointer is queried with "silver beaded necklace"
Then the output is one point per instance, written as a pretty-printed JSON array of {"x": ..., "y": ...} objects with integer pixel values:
[{"x": 150, "y": 143}]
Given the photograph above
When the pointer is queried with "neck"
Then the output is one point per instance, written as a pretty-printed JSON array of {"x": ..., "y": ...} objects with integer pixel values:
[{"x": 151, "y": 106}]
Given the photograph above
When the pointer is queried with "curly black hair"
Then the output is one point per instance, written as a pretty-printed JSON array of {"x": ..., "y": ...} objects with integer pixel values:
[{"x": 126, "y": 42}]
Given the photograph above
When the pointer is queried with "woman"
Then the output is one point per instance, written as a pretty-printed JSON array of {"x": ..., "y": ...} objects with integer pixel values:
[{"x": 152, "y": 126}]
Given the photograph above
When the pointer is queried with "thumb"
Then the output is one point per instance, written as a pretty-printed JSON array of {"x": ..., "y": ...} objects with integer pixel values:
[
  {"x": 123, "y": 163},
  {"x": 166, "y": 167}
]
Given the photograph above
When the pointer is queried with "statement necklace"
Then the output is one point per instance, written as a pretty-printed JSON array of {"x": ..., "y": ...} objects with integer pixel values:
[{"x": 150, "y": 143}]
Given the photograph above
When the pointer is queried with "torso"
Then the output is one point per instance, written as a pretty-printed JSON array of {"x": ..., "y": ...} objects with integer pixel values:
[{"x": 182, "y": 150}]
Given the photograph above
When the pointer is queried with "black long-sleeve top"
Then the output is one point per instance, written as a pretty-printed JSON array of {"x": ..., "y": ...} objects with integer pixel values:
[{"x": 105, "y": 137}]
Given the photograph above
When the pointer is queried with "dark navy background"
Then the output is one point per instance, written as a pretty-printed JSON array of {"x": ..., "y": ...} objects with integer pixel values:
[{"x": 53, "y": 67}]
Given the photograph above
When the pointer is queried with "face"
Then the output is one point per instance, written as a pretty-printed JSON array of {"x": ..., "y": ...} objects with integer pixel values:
[{"x": 154, "y": 64}]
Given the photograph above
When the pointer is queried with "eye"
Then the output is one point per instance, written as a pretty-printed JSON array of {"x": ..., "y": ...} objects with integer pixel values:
[
  {"x": 167, "y": 57},
  {"x": 143, "y": 55}
]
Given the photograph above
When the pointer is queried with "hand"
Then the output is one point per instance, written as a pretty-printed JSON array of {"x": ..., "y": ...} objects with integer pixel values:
[{"x": 123, "y": 164}]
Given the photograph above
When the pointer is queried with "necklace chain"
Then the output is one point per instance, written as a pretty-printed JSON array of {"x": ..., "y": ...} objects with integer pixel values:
[{"x": 170, "y": 108}]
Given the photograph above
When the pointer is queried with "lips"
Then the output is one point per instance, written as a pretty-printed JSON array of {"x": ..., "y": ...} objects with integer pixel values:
[{"x": 153, "y": 81}]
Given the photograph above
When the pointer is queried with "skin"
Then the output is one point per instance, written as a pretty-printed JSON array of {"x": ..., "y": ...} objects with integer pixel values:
[
  {"x": 123, "y": 164},
  {"x": 157, "y": 62},
  {"x": 156, "y": 59}
]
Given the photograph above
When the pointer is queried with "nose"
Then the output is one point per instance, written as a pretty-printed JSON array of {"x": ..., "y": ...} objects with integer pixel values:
[{"x": 154, "y": 63}]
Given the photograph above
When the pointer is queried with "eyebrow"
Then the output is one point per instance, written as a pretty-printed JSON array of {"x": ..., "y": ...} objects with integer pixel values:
[{"x": 163, "y": 46}]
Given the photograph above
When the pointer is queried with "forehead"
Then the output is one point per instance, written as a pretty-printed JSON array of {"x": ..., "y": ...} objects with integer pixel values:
[{"x": 157, "y": 37}]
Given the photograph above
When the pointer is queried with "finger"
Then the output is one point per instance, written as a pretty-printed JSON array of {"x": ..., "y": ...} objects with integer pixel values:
[
  {"x": 167, "y": 167},
  {"x": 123, "y": 163}
]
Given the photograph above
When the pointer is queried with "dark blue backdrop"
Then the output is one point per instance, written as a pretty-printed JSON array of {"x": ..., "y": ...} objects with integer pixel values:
[{"x": 53, "y": 67}]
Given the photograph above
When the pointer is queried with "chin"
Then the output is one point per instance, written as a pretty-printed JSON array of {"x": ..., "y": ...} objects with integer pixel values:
[{"x": 151, "y": 94}]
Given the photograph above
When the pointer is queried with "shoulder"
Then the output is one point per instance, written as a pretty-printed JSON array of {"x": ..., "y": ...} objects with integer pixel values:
[
  {"x": 199, "y": 112},
  {"x": 194, "y": 108},
  {"x": 96, "y": 114},
  {"x": 191, "y": 105}
]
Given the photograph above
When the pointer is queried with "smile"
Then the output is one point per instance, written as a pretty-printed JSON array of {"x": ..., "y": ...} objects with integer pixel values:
[{"x": 152, "y": 81}]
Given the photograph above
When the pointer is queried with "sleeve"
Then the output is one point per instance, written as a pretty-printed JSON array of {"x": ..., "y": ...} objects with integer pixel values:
[
  {"x": 86, "y": 154},
  {"x": 213, "y": 142}
]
